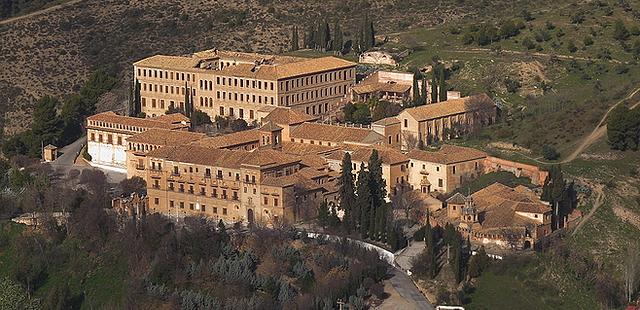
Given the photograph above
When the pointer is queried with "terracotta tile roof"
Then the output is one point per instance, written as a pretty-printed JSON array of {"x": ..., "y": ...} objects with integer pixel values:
[
  {"x": 447, "y": 154},
  {"x": 173, "y": 118},
  {"x": 230, "y": 140},
  {"x": 296, "y": 148},
  {"x": 286, "y": 116},
  {"x": 314, "y": 161},
  {"x": 111, "y": 117},
  {"x": 387, "y": 121},
  {"x": 286, "y": 70},
  {"x": 166, "y": 137},
  {"x": 270, "y": 127},
  {"x": 223, "y": 158},
  {"x": 333, "y": 133},
  {"x": 380, "y": 86},
  {"x": 169, "y": 62},
  {"x": 450, "y": 107},
  {"x": 498, "y": 194},
  {"x": 245, "y": 57},
  {"x": 388, "y": 155},
  {"x": 457, "y": 199}
]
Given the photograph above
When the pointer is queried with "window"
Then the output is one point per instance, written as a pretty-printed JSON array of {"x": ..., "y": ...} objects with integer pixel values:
[
  {"x": 439, "y": 182},
  {"x": 190, "y": 206},
  {"x": 215, "y": 210},
  {"x": 406, "y": 123},
  {"x": 224, "y": 211},
  {"x": 203, "y": 208},
  {"x": 275, "y": 202},
  {"x": 181, "y": 204},
  {"x": 454, "y": 169},
  {"x": 157, "y": 201},
  {"x": 171, "y": 205},
  {"x": 265, "y": 200}
]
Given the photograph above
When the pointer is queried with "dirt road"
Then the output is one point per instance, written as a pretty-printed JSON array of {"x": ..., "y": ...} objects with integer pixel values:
[{"x": 36, "y": 13}]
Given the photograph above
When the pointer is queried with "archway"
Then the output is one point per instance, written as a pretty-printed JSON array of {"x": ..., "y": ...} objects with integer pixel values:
[
  {"x": 527, "y": 244},
  {"x": 250, "y": 217}
]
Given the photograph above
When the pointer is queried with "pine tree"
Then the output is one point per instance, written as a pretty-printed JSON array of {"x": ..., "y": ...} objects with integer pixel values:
[
  {"x": 294, "y": 39},
  {"x": 46, "y": 124},
  {"x": 363, "y": 200},
  {"x": 346, "y": 192}
]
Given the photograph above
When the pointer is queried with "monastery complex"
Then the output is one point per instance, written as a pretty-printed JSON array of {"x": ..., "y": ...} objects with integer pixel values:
[{"x": 288, "y": 163}]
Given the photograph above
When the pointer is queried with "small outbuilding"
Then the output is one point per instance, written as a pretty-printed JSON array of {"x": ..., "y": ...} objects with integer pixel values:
[{"x": 50, "y": 153}]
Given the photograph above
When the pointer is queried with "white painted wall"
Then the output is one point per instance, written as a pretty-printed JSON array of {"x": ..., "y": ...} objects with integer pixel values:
[{"x": 108, "y": 154}]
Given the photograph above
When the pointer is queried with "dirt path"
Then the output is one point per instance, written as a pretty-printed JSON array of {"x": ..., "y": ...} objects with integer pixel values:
[
  {"x": 596, "y": 204},
  {"x": 536, "y": 54},
  {"x": 43, "y": 11}
]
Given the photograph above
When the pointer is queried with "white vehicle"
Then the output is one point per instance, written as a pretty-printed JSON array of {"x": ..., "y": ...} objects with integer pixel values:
[{"x": 449, "y": 308}]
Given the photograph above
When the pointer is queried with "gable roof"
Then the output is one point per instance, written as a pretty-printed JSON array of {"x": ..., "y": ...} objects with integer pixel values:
[
  {"x": 457, "y": 199},
  {"x": 112, "y": 117},
  {"x": 159, "y": 136},
  {"x": 447, "y": 154},
  {"x": 230, "y": 140},
  {"x": 287, "y": 116},
  {"x": 194, "y": 154},
  {"x": 335, "y": 133},
  {"x": 388, "y": 155},
  {"x": 450, "y": 107}
]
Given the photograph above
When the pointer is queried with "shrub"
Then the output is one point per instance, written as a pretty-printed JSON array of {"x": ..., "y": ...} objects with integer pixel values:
[{"x": 549, "y": 152}]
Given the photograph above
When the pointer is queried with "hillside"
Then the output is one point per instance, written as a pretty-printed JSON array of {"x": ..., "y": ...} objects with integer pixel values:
[{"x": 53, "y": 53}]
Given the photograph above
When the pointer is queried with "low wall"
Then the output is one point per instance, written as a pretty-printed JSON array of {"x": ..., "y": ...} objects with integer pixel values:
[
  {"x": 385, "y": 255},
  {"x": 495, "y": 164}
]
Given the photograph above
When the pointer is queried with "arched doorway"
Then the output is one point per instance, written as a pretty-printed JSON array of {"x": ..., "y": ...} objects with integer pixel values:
[
  {"x": 527, "y": 244},
  {"x": 250, "y": 217}
]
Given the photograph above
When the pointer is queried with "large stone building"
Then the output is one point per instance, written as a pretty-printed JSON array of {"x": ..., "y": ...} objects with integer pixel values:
[
  {"x": 443, "y": 120},
  {"x": 264, "y": 185},
  {"x": 107, "y": 135},
  {"x": 445, "y": 168},
  {"x": 239, "y": 84}
]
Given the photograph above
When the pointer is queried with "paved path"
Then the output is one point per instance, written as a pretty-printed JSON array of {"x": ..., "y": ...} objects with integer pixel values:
[
  {"x": 408, "y": 290},
  {"x": 404, "y": 259},
  {"x": 67, "y": 161}
]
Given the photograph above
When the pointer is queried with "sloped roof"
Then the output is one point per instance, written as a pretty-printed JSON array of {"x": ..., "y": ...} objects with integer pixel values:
[
  {"x": 450, "y": 107},
  {"x": 334, "y": 133},
  {"x": 222, "y": 157},
  {"x": 230, "y": 140},
  {"x": 447, "y": 154},
  {"x": 270, "y": 127},
  {"x": 172, "y": 118},
  {"x": 457, "y": 199},
  {"x": 387, "y": 121},
  {"x": 111, "y": 117},
  {"x": 388, "y": 155},
  {"x": 286, "y": 116},
  {"x": 380, "y": 86},
  {"x": 306, "y": 148},
  {"x": 159, "y": 136},
  {"x": 286, "y": 70},
  {"x": 169, "y": 62}
]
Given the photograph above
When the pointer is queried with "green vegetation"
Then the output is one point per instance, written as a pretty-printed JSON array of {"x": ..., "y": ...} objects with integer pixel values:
[
  {"x": 9, "y": 8},
  {"x": 623, "y": 128},
  {"x": 59, "y": 128}
]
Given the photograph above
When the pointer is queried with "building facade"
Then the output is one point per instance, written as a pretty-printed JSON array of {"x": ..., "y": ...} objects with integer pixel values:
[
  {"x": 107, "y": 135},
  {"x": 237, "y": 85}
]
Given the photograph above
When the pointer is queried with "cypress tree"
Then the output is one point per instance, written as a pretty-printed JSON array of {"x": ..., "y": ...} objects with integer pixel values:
[
  {"x": 363, "y": 199},
  {"x": 423, "y": 91},
  {"x": 430, "y": 248},
  {"x": 416, "y": 93},
  {"x": 327, "y": 36},
  {"x": 434, "y": 86},
  {"x": 338, "y": 41},
  {"x": 294, "y": 39},
  {"x": 346, "y": 192},
  {"x": 443, "y": 88},
  {"x": 323, "y": 215},
  {"x": 378, "y": 192},
  {"x": 371, "y": 35},
  {"x": 137, "y": 108},
  {"x": 186, "y": 99}
]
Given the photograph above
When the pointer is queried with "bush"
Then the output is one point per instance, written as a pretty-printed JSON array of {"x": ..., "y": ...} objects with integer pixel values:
[{"x": 549, "y": 152}]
